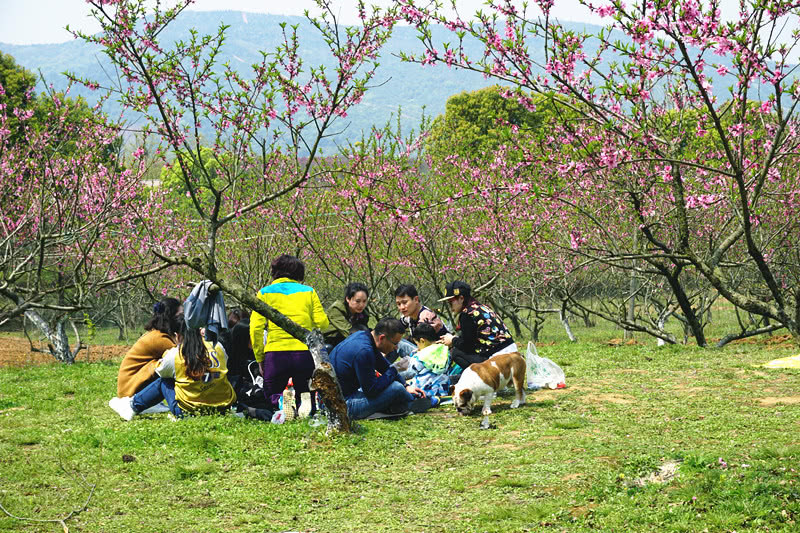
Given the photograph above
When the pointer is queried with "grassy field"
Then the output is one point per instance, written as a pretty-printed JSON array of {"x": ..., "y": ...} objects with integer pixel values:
[{"x": 643, "y": 439}]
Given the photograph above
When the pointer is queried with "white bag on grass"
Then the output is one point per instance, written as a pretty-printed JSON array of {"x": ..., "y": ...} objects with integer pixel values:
[{"x": 542, "y": 372}]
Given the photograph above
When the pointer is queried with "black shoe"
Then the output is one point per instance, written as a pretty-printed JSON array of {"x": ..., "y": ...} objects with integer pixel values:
[
  {"x": 420, "y": 405},
  {"x": 388, "y": 416}
]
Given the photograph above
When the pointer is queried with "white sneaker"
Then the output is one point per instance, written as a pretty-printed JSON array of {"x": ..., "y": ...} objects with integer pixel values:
[{"x": 123, "y": 407}]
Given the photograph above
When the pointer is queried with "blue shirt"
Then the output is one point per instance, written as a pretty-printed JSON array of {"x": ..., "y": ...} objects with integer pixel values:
[{"x": 355, "y": 361}]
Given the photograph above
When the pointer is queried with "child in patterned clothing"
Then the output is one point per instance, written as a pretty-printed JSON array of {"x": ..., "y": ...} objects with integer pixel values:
[{"x": 428, "y": 366}]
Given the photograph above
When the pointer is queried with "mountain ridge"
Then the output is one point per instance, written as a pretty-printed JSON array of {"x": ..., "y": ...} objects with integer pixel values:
[{"x": 398, "y": 87}]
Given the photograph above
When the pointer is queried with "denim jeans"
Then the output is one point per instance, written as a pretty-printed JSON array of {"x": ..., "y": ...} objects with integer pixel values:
[
  {"x": 394, "y": 398},
  {"x": 152, "y": 394}
]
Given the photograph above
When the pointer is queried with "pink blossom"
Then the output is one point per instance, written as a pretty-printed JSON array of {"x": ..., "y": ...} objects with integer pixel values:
[
  {"x": 736, "y": 129},
  {"x": 606, "y": 11}
]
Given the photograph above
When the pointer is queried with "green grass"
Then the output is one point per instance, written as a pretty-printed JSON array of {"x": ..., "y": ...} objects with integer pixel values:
[{"x": 568, "y": 460}]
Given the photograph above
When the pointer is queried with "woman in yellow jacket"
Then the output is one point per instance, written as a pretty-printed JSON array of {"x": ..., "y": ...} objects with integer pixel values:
[{"x": 280, "y": 355}]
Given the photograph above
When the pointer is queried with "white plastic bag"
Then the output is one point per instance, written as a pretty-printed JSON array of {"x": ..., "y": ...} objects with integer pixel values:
[{"x": 542, "y": 372}]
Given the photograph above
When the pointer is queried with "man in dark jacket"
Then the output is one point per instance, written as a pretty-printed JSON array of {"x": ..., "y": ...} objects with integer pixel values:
[
  {"x": 483, "y": 332},
  {"x": 371, "y": 386}
]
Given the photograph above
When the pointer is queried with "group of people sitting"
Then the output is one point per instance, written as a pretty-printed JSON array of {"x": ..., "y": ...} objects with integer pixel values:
[{"x": 385, "y": 369}]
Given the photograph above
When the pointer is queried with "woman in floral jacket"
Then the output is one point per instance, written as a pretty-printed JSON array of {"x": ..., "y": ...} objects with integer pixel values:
[{"x": 482, "y": 332}]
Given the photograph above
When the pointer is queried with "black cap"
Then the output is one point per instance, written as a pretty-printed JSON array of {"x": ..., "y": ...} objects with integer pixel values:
[{"x": 456, "y": 288}]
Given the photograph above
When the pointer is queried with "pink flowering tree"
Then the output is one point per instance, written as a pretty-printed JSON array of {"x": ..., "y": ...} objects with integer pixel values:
[
  {"x": 68, "y": 205},
  {"x": 266, "y": 125},
  {"x": 396, "y": 214},
  {"x": 655, "y": 79},
  {"x": 355, "y": 225}
]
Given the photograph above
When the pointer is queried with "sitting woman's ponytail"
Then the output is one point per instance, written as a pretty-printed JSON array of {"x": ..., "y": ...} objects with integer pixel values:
[{"x": 193, "y": 350}]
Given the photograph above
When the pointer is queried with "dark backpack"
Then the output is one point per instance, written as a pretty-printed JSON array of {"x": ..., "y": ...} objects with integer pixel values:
[{"x": 250, "y": 389}]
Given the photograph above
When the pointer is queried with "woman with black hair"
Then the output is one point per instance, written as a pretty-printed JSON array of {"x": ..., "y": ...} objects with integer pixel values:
[
  {"x": 236, "y": 341},
  {"x": 349, "y": 315},
  {"x": 192, "y": 378},
  {"x": 138, "y": 365},
  {"x": 282, "y": 357}
]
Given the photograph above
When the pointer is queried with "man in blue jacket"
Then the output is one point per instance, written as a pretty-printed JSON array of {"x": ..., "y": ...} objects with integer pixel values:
[{"x": 371, "y": 386}]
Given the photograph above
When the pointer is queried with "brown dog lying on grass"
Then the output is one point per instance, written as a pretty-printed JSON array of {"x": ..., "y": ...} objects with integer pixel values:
[{"x": 483, "y": 380}]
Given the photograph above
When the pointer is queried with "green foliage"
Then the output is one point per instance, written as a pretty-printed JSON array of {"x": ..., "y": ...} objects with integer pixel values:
[
  {"x": 203, "y": 165},
  {"x": 476, "y": 123},
  {"x": 91, "y": 328},
  {"x": 18, "y": 84}
]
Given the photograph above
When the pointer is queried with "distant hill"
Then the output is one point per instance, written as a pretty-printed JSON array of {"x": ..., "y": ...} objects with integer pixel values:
[
  {"x": 398, "y": 86},
  {"x": 402, "y": 86}
]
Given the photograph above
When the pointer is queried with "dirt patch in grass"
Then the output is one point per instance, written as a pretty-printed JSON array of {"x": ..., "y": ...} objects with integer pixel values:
[
  {"x": 773, "y": 341},
  {"x": 507, "y": 446},
  {"x": 17, "y": 352},
  {"x": 774, "y": 400},
  {"x": 622, "y": 342},
  {"x": 690, "y": 389},
  {"x": 610, "y": 398},
  {"x": 582, "y": 511},
  {"x": 545, "y": 394}
]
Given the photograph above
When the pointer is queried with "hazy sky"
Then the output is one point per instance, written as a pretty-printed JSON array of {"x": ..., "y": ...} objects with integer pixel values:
[{"x": 43, "y": 21}]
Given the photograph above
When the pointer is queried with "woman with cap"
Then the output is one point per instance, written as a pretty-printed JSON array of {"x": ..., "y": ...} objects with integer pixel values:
[{"x": 482, "y": 332}]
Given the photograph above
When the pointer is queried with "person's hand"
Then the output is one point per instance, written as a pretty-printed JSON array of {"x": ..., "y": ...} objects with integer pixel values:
[
  {"x": 415, "y": 391},
  {"x": 447, "y": 339}
]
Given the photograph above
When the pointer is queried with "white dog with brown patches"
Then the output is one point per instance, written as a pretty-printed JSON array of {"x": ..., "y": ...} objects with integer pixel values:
[{"x": 483, "y": 380}]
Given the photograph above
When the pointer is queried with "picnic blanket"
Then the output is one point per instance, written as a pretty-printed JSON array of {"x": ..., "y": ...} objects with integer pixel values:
[{"x": 784, "y": 362}]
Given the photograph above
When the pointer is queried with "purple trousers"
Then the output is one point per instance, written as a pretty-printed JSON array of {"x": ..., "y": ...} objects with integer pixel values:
[{"x": 278, "y": 367}]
